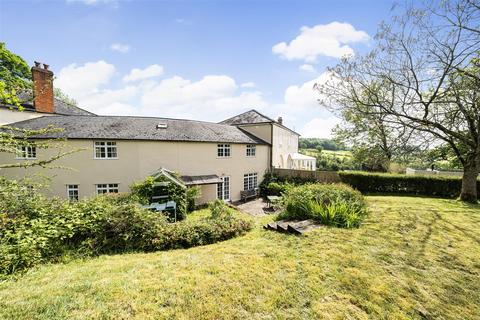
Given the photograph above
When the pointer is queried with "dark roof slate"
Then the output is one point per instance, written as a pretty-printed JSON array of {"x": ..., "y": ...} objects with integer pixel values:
[
  {"x": 249, "y": 117},
  {"x": 138, "y": 128},
  {"x": 61, "y": 108}
]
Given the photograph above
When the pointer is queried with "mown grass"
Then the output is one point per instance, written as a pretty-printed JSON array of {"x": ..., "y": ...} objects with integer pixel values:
[{"x": 412, "y": 258}]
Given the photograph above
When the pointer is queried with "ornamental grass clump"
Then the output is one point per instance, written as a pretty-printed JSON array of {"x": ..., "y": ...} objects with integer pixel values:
[{"x": 330, "y": 204}]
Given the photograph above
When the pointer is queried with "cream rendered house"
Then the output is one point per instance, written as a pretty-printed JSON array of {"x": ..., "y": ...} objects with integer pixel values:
[{"x": 115, "y": 151}]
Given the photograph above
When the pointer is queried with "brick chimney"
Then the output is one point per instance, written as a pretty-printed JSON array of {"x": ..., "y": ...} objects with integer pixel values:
[
  {"x": 280, "y": 120},
  {"x": 42, "y": 88}
]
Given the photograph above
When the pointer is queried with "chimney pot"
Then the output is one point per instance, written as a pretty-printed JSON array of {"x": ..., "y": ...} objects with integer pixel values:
[
  {"x": 280, "y": 120},
  {"x": 37, "y": 64},
  {"x": 45, "y": 66}
]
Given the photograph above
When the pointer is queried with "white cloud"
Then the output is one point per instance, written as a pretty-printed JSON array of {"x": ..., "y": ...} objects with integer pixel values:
[
  {"x": 319, "y": 127},
  {"x": 120, "y": 47},
  {"x": 248, "y": 85},
  {"x": 330, "y": 40},
  {"x": 79, "y": 81},
  {"x": 210, "y": 98},
  {"x": 151, "y": 71},
  {"x": 307, "y": 68},
  {"x": 304, "y": 96}
]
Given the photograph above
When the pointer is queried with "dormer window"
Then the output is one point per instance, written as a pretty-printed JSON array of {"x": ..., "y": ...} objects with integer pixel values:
[{"x": 105, "y": 150}]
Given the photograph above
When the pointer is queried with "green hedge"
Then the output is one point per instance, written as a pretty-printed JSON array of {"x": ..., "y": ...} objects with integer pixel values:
[{"x": 446, "y": 187}]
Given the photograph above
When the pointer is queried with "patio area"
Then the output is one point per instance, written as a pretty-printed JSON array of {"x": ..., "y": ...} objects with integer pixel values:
[{"x": 257, "y": 208}]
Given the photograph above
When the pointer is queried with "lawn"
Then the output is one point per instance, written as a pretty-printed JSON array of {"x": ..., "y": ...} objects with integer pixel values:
[{"x": 412, "y": 258}]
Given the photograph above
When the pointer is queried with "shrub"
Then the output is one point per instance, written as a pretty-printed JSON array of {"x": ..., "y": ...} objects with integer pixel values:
[
  {"x": 331, "y": 204},
  {"x": 187, "y": 233},
  {"x": 35, "y": 229},
  {"x": 219, "y": 210},
  {"x": 437, "y": 186},
  {"x": 280, "y": 184},
  {"x": 276, "y": 188},
  {"x": 144, "y": 190},
  {"x": 192, "y": 194}
]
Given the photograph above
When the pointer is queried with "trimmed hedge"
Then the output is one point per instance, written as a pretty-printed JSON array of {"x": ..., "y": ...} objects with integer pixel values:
[{"x": 446, "y": 187}]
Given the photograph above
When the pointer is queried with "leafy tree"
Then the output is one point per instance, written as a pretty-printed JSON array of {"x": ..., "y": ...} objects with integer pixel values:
[
  {"x": 15, "y": 76},
  {"x": 427, "y": 64},
  {"x": 323, "y": 144}
]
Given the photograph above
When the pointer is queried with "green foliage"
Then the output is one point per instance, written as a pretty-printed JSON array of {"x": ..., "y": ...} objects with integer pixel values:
[
  {"x": 276, "y": 188},
  {"x": 35, "y": 229},
  {"x": 320, "y": 144},
  {"x": 14, "y": 76},
  {"x": 146, "y": 189},
  {"x": 370, "y": 158},
  {"x": 331, "y": 204},
  {"x": 330, "y": 162},
  {"x": 220, "y": 210},
  {"x": 279, "y": 184},
  {"x": 193, "y": 193},
  {"x": 448, "y": 187}
]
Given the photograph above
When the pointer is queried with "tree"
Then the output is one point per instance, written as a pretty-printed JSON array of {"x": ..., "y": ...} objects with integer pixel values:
[
  {"x": 426, "y": 62},
  {"x": 15, "y": 76},
  {"x": 375, "y": 142}
]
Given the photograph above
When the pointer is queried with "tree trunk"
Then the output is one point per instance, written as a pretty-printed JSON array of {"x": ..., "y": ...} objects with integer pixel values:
[{"x": 469, "y": 180}]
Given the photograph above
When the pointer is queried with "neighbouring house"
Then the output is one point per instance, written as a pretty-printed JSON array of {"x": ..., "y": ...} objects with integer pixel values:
[{"x": 223, "y": 158}]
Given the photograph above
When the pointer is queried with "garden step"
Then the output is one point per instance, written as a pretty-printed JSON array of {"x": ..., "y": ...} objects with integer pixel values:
[
  {"x": 275, "y": 225},
  {"x": 302, "y": 226},
  {"x": 294, "y": 226}
]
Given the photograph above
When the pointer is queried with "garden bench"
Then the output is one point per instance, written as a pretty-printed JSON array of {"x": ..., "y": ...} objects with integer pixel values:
[{"x": 247, "y": 194}]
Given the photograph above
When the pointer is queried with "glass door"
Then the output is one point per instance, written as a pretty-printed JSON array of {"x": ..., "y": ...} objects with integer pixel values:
[{"x": 223, "y": 189}]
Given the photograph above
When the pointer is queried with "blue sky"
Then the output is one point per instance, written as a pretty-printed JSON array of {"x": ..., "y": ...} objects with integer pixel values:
[{"x": 205, "y": 60}]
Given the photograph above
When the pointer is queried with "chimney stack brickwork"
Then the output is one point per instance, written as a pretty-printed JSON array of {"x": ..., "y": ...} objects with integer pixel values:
[{"x": 42, "y": 88}]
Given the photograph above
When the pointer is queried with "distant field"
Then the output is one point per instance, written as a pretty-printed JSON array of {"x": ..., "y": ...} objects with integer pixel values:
[{"x": 339, "y": 154}]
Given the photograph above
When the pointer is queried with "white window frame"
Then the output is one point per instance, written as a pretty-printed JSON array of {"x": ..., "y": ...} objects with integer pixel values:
[
  {"x": 105, "y": 145},
  {"x": 224, "y": 150},
  {"x": 224, "y": 189},
  {"x": 26, "y": 152},
  {"x": 72, "y": 192},
  {"x": 251, "y": 150},
  {"x": 103, "y": 188},
  {"x": 250, "y": 181}
]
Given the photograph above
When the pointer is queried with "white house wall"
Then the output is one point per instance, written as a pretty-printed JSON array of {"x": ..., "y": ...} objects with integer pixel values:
[{"x": 138, "y": 159}]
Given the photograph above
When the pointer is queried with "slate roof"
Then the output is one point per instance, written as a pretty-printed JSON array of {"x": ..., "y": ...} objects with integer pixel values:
[
  {"x": 197, "y": 180},
  {"x": 61, "y": 108},
  {"x": 249, "y": 117},
  {"x": 138, "y": 128},
  {"x": 252, "y": 117}
]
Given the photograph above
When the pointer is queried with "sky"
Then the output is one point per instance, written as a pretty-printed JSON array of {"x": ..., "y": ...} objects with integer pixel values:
[{"x": 203, "y": 60}]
